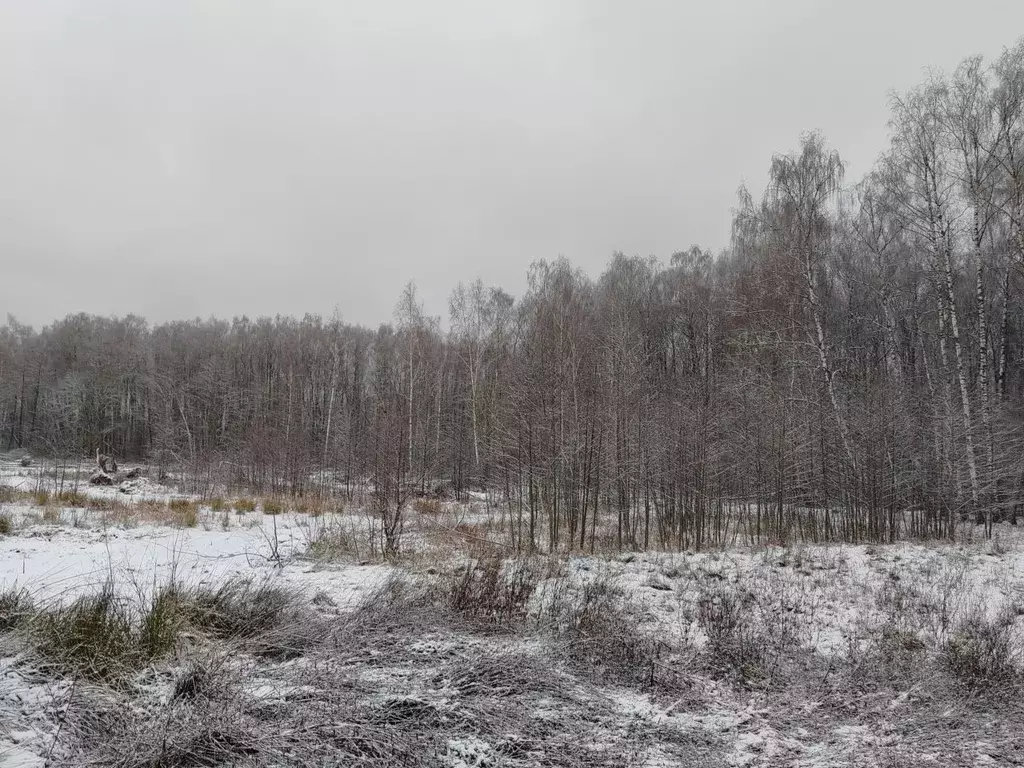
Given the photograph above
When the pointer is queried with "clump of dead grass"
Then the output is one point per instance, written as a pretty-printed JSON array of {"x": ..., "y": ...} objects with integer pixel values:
[
  {"x": 427, "y": 506},
  {"x": 244, "y": 505},
  {"x": 273, "y": 506},
  {"x": 73, "y": 498},
  {"x": 266, "y": 619},
  {"x": 596, "y": 625},
  {"x": 106, "y": 636},
  {"x": 185, "y": 511},
  {"x": 92, "y": 636},
  {"x": 16, "y": 608},
  {"x": 52, "y": 515},
  {"x": 332, "y": 540}
]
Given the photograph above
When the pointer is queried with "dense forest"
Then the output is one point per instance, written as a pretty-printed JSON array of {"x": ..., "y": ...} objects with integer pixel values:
[{"x": 850, "y": 366}]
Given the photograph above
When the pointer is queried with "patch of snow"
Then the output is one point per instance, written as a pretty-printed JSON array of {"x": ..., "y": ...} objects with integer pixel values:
[
  {"x": 60, "y": 563},
  {"x": 469, "y": 752},
  {"x": 15, "y": 757}
]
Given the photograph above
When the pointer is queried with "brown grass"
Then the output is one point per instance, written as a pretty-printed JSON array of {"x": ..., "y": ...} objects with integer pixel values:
[
  {"x": 186, "y": 512},
  {"x": 73, "y": 499},
  {"x": 428, "y": 506},
  {"x": 244, "y": 505},
  {"x": 273, "y": 506}
]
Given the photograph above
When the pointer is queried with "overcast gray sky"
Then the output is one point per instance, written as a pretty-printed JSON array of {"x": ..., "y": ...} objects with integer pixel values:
[{"x": 177, "y": 158}]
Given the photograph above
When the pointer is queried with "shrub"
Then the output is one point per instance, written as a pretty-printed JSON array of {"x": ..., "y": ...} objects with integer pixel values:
[
  {"x": 599, "y": 629},
  {"x": 734, "y": 643},
  {"x": 493, "y": 589},
  {"x": 981, "y": 652},
  {"x": 6, "y": 524}
]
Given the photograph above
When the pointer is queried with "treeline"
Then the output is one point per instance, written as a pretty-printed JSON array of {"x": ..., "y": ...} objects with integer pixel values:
[{"x": 850, "y": 367}]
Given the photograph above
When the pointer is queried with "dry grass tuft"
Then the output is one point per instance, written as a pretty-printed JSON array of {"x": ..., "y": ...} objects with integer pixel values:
[
  {"x": 273, "y": 506},
  {"x": 93, "y": 637},
  {"x": 185, "y": 512},
  {"x": 598, "y": 628},
  {"x": 106, "y": 637},
  {"x": 73, "y": 498},
  {"x": 268, "y": 620},
  {"x": 426, "y": 506},
  {"x": 245, "y": 505},
  {"x": 101, "y": 504},
  {"x": 16, "y": 609},
  {"x": 52, "y": 515},
  {"x": 333, "y": 539}
]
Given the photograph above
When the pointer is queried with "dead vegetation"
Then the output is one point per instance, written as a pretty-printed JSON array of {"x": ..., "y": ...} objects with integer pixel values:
[
  {"x": 109, "y": 636},
  {"x": 514, "y": 662},
  {"x": 470, "y": 653},
  {"x": 244, "y": 505},
  {"x": 15, "y": 608}
]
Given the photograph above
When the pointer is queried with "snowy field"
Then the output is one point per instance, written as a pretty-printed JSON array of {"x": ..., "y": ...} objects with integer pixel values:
[
  {"x": 898, "y": 655},
  {"x": 64, "y": 560}
]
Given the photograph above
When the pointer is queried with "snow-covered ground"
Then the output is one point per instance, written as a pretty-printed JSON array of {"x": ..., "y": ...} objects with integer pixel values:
[
  {"x": 80, "y": 552},
  {"x": 76, "y": 477},
  {"x": 825, "y": 602},
  {"x": 63, "y": 561},
  {"x": 57, "y": 554},
  {"x": 839, "y": 591}
]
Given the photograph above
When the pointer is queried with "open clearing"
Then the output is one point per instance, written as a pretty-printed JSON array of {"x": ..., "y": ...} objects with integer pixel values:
[{"x": 456, "y": 655}]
